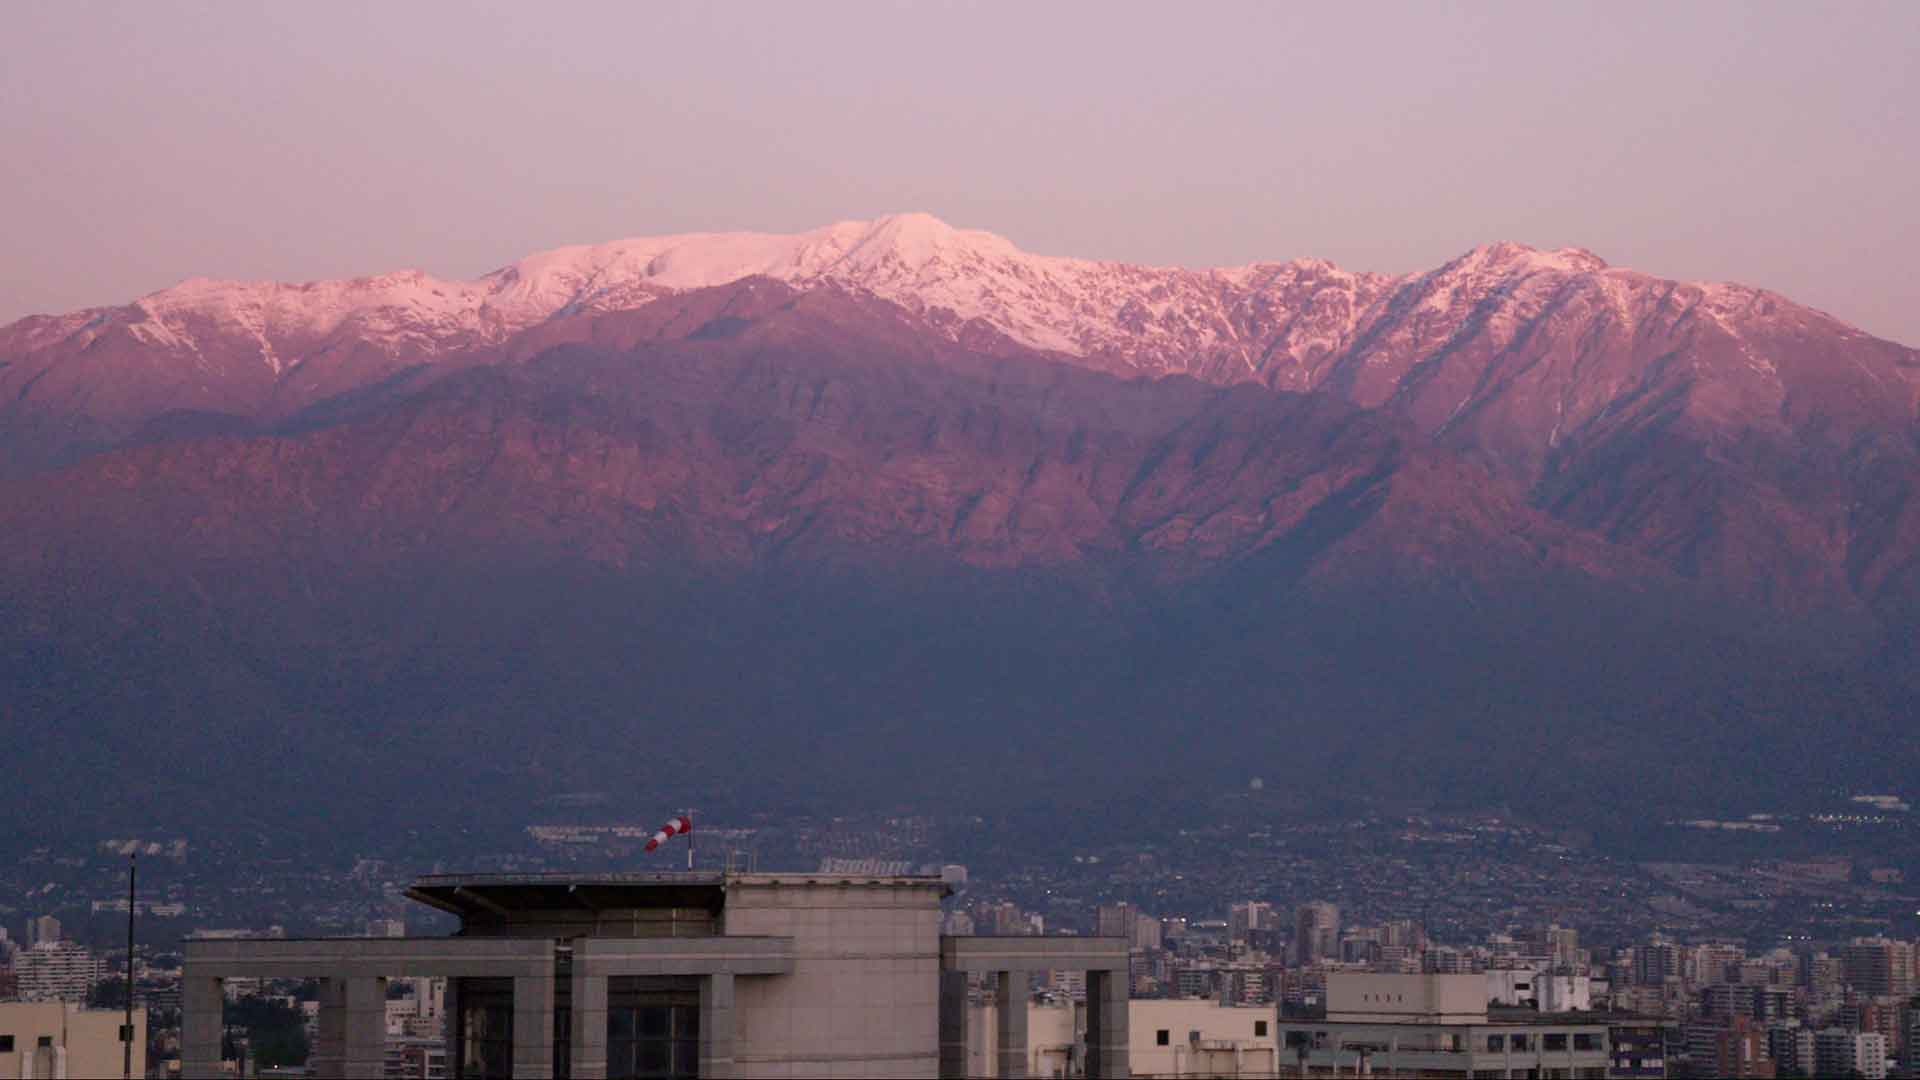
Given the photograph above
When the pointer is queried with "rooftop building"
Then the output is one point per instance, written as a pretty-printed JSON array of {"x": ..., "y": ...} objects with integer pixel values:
[
  {"x": 1438, "y": 1026},
  {"x": 54, "y": 1040},
  {"x": 563, "y": 977}
]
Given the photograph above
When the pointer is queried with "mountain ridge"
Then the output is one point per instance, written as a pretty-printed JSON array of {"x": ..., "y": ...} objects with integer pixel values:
[
  {"x": 911, "y": 258},
  {"x": 759, "y": 538},
  {"x": 1770, "y": 448}
]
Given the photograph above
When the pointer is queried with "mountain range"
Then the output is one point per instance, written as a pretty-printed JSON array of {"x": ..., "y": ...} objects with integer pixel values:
[{"x": 815, "y": 506}]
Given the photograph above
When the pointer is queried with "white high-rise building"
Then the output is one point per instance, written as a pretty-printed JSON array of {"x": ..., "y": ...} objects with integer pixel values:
[{"x": 56, "y": 971}]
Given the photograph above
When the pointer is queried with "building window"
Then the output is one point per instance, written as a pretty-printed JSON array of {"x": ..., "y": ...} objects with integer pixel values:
[
  {"x": 1259, "y": 1029},
  {"x": 653, "y": 1042},
  {"x": 1163, "y": 1037},
  {"x": 1493, "y": 1044},
  {"x": 1518, "y": 1042},
  {"x": 653, "y": 1027},
  {"x": 1555, "y": 1041},
  {"x": 1585, "y": 1042},
  {"x": 6, "y": 1044}
]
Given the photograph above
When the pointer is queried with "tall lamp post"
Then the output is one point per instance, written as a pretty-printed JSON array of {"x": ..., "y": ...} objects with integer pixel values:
[{"x": 126, "y": 1030}]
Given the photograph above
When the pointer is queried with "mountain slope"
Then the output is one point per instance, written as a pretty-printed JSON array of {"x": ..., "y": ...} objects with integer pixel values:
[
  {"x": 1741, "y": 440},
  {"x": 754, "y": 545},
  {"x": 1297, "y": 325}
]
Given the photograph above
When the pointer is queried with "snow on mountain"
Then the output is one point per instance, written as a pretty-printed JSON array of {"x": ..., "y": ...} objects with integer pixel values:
[
  {"x": 1722, "y": 429},
  {"x": 1274, "y": 322},
  {"x": 1556, "y": 335}
]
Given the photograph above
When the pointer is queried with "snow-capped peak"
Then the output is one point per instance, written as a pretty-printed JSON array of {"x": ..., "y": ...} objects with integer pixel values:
[
  {"x": 1278, "y": 322},
  {"x": 1508, "y": 256},
  {"x": 913, "y": 240}
]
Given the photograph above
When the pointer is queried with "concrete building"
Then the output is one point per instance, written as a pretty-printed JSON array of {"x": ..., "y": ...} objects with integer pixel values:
[
  {"x": 1878, "y": 967},
  {"x": 1838, "y": 1052},
  {"x": 1738, "y": 1050},
  {"x": 1115, "y": 920},
  {"x": 44, "y": 929},
  {"x": 1202, "y": 1038},
  {"x": 1790, "y": 1046},
  {"x": 1438, "y": 1026},
  {"x": 1168, "y": 1039},
  {"x": 1525, "y": 988},
  {"x": 54, "y": 1040},
  {"x": 1640, "y": 1050},
  {"x": 677, "y": 975},
  {"x": 416, "y": 1059},
  {"x": 1248, "y": 916},
  {"x": 1316, "y": 932},
  {"x": 1656, "y": 962},
  {"x": 1146, "y": 933},
  {"x": 1910, "y": 1062},
  {"x": 55, "y": 971}
]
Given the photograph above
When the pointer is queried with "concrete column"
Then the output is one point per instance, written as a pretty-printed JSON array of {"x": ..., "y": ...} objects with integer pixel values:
[
  {"x": 533, "y": 1027},
  {"x": 716, "y": 1026},
  {"x": 589, "y": 1022},
  {"x": 1107, "y": 1024},
  {"x": 366, "y": 1026},
  {"x": 953, "y": 1025},
  {"x": 329, "y": 1056},
  {"x": 202, "y": 1021},
  {"x": 1010, "y": 1024}
]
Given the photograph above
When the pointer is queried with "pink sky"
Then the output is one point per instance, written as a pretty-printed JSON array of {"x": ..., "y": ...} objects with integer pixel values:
[{"x": 1774, "y": 144}]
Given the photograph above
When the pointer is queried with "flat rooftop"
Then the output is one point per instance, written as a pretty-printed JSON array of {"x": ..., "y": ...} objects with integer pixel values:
[
  {"x": 1511, "y": 1016},
  {"x": 482, "y": 894}
]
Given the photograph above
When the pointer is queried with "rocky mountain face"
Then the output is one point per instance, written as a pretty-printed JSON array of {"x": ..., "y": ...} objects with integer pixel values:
[
  {"x": 1490, "y": 526},
  {"x": 1722, "y": 430}
]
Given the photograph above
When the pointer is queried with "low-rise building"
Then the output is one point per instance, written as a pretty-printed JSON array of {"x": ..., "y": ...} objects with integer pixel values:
[
  {"x": 56, "y": 1040},
  {"x": 1167, "y": 1038},
  {"x": 1439, "y": 1026},
  {"x": 1202, "y": 1038}
]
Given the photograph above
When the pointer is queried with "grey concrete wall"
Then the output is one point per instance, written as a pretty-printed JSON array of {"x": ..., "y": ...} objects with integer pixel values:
[
  {"x": 863, "y": 998},
  {"x": 365, "y": 1027},
  {"x": 202, "y": 1005},
  {"x": 1010, "y": 996},
  {"x": 981, "y": 954},
  {"x": 533, "y": 1026},
  {"x": 717, "y": 1027},
  {"x": 589, "y": 1050},
  {"x": 1108, "y": 1027},
  {"x": 380, "y": 957},
  {"x": 684, "y": 956},
  {"x": 328, "y": 1058}
]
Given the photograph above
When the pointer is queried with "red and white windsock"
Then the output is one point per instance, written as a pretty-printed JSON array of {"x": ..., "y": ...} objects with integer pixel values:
[{"x": 678, "y": 826}]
